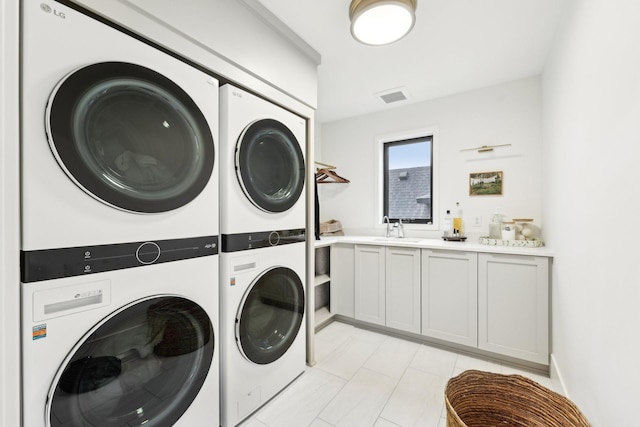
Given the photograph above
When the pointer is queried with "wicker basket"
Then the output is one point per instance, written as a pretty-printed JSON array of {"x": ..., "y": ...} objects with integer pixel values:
[{"x": 485, "y": 399}]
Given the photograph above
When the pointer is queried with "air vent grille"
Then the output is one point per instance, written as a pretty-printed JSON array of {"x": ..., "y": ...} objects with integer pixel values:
[{"x": 396, "y": 96}]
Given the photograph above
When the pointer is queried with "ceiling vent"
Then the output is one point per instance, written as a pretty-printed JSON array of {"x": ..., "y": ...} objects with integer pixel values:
[{"x": 392, "y": 95}]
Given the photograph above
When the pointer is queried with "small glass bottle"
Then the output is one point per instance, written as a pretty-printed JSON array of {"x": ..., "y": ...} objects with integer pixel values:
[{"x": 447, "y": 224}]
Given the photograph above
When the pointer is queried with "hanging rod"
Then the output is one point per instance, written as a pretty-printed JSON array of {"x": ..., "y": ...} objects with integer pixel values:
[
  {"x": 485, "y": 148},
  {"x": 326, "y": 165}
]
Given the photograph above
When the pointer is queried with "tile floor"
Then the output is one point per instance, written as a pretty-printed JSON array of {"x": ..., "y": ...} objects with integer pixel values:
[{"x": 367, "y": 379}]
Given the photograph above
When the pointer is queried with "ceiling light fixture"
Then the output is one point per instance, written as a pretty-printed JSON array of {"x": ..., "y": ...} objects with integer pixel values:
[{"x": 380, "y": 22}]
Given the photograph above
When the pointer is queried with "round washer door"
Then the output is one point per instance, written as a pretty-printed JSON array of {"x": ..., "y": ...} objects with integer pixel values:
[
  {"x": 143, "y": 365},
  {"x": 270, "y": 315},
  {"x": 130, "y": 137},
  {"x": 270, "y": 165}
]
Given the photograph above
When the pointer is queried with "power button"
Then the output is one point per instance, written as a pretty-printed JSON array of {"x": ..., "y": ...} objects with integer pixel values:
[
  {"x": 274, "y": 238},
  {"x": 148, "y": 253}
]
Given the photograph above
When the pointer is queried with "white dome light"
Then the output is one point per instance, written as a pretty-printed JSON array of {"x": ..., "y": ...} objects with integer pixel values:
[{"x": 379, "y": 22}]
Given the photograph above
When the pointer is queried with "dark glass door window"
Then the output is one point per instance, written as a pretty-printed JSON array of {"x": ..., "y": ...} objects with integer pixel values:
[
  {"x": 143, "y": 365},
  {"x": 270, "y": 316},
  {"x": 130, "y": 137},
  {"x": 270, "y": 165}
]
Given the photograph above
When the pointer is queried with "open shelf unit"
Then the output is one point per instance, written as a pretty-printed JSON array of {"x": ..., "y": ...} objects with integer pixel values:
[{"x": 322, "y": 282}]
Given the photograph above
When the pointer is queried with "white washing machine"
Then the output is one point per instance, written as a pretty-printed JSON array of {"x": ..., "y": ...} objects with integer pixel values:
[
  {"x": 128, "y": 347},
  {"x": 119, "y": 138},
  {"x": 262, "y": 332},
  {"x": 262, "y": 165}
]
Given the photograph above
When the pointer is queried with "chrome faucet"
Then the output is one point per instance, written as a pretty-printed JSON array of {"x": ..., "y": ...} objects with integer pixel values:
[
  {"x": 388, "y": 232},
  {"x": 398, "y": 229}
]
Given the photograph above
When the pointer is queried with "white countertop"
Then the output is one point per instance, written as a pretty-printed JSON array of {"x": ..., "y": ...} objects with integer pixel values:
[{"x": 468, "y": 245}]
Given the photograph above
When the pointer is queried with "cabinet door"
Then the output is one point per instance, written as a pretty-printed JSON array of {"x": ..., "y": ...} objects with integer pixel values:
[
  {"x": 513, "y": 309},
  {"x": 450, "y": 296},
  {"x": 369, "y": 284},
  {"x": 403, "y": 289},
  {"x": 342, "y": 280}
]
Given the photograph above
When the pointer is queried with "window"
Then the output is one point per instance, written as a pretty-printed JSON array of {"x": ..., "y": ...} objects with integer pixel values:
[{"x": 408, "y": 180}]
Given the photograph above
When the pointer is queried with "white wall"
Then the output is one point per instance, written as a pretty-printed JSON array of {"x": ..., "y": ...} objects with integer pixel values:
[
  {"x": 591, "y": 149},
  {"x": 9, "y": 217},
  {"x": 509, "y": 113},
  {"x": 229, "y": 37}
]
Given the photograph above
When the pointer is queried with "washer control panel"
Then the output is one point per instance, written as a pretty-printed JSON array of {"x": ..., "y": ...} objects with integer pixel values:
[
  {"x": 261, "y": 239},
  {"x": 66, "y": 262},
  {"x": 148, "y": 252}
]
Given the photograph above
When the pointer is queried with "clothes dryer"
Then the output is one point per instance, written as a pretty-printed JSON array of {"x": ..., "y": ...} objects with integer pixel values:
[
  {"x": 119, "y": 138},
  {"x": 123, "y": 347},
  {"x": 262, "y": 332},
  {"x": 262, "y": 165}
]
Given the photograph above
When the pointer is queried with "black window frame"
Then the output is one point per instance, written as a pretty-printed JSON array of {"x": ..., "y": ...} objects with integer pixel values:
[{"x": 385, "y": 179}]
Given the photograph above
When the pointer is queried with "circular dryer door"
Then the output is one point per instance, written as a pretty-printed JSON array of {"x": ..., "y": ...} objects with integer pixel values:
[
  {"x": 270, "y": 315},
  {"x": 143, "y": 365},
  {"x": 270, "y": 165},
  {"x": 130, "y": 137}
]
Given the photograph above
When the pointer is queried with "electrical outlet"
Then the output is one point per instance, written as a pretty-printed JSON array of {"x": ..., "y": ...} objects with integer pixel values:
[{"x": 477, "y": 221}]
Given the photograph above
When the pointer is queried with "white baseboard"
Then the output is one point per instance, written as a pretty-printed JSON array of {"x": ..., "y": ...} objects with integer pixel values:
[{"x": 556, "y": 378}]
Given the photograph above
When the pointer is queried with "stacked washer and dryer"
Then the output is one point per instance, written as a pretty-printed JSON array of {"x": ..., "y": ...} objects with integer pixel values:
[
  {"x": 123, "y": 322},
  {"x": 120, "y": 229},
  {"x": 262, "y": 259}
]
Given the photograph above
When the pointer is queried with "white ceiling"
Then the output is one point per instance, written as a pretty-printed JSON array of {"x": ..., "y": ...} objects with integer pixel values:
[{"x": 455, "y": 46}]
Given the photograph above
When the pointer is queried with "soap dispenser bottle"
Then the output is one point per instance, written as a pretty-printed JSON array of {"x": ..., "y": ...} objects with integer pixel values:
[
  {"x": 457, "y": 220},
  {"x": 495, "y": 226}
]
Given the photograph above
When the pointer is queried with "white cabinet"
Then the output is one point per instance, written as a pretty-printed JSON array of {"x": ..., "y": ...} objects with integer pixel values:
[
  {"x": 342, "y": 280},
  {"x": 387, "y": 286},
  {"x": 513, "y": 306},
  {"x": 370, "y": 284},
  {"x": 496, "y": 303},
  {"x": 450, "y": 296},
  {"x": 403, "y": 289}
]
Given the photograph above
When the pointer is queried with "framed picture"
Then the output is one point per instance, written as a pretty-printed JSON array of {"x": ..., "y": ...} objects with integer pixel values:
[{"x": 485, "y": 183}]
